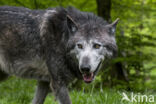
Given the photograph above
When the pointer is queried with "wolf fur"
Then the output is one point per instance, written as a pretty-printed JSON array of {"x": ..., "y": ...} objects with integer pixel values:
[{"x": 41, "y": 45}]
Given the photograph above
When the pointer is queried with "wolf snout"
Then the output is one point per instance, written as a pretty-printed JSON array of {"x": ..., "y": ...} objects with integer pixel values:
[{"x": 85, "y": 68}]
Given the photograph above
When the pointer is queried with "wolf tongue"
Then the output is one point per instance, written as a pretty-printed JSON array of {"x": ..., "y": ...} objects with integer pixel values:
[{"x": 88, "y": 77}]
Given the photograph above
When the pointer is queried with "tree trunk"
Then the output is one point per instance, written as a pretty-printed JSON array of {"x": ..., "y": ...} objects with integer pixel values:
[{"x": 104, "y": 10}]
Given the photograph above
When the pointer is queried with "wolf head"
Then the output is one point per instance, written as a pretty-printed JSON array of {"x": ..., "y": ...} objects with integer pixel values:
[
  {"x": 91, "y": 42},
  {"x": 88, "y": 39}
]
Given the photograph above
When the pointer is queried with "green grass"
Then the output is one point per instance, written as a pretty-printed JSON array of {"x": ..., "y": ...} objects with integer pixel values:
[{"x": 20, "y": 91}]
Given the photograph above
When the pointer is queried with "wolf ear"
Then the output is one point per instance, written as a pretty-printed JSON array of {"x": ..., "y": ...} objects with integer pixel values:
[
  {"x": 112, "y": 26},
  {"x": 73, "y": 27}
]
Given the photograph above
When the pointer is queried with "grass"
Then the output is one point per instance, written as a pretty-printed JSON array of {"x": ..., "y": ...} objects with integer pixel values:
[{"x": 20, "y": 91}]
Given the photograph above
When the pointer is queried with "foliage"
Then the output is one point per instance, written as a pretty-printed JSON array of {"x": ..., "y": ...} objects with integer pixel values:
[{"x": 135, "y": 37}]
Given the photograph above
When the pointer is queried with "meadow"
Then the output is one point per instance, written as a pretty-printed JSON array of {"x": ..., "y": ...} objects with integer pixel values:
[{"x": 21, "y": 91}]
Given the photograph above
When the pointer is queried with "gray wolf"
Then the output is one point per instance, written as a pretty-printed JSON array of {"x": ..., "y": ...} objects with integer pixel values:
[{"x": 54, "y": 46}]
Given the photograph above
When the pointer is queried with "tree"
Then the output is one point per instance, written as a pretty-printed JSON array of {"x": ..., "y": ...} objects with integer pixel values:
[{"x": 104, "y": 10}]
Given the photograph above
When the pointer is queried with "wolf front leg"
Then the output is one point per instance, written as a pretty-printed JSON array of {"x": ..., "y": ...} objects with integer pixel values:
[
  {"x": 61, "y": 92},
  {"x": 41, "y": 92}
]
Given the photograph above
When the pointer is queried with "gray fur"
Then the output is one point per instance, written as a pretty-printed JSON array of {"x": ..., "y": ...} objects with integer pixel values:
[
  {"x": 41, "y": 92},
  {"x": 42, "y": 45}
]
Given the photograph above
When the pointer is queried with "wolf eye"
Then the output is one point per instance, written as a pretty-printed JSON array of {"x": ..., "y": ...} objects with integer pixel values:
[
  {"x": 80, "y": 46},
  {"x": 96, "y": 46}
]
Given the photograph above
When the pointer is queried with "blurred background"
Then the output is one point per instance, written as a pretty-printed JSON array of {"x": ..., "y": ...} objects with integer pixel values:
[{"x": 134, "y": 70}]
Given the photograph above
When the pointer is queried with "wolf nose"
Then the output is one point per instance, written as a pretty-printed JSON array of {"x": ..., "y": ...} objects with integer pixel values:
[{"x": 85, "y": 68}]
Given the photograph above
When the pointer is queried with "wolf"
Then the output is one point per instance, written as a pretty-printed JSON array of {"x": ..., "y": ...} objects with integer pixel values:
[{"x": 54, "y": 47}]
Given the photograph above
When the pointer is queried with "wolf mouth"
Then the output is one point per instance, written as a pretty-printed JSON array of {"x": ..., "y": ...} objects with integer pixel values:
[{"x": 89, "y": 77}]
